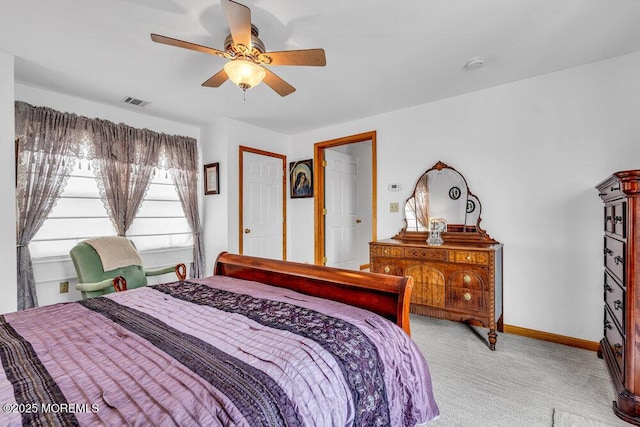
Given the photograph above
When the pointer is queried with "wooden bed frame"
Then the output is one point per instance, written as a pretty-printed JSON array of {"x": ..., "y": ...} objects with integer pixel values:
[{"x": 385, "y": 295}]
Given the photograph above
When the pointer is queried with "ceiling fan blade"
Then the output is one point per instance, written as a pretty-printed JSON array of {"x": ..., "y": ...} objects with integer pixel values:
[
  {"x": 310, "y": 57},
  {"x": 276, "y": 83},
  {"x": 187, "y": 45},
  {"x": 239, "y": 20},
  {"x": 217, "y": 79}
]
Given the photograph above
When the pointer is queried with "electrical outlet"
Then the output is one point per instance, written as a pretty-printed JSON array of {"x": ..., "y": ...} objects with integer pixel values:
[
  {"x": 64, "y": 287},
  {"x": 394, "y": 207}
]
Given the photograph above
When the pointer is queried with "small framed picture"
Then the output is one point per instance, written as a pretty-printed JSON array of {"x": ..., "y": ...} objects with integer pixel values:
[
  {"x": 211, "y": 178},
  {"x": 301, "y": 179}
]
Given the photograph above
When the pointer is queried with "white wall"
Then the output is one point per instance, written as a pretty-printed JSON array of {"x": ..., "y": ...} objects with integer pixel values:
[
  {"x": 8, "y": 261},
  {"x": 48, "y": 273},
  {"x": 532, "y": 151},
  {"x": 222, "y": 140}
]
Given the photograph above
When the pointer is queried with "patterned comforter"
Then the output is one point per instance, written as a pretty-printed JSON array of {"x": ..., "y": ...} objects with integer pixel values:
[{"x": 208, "y": 352}]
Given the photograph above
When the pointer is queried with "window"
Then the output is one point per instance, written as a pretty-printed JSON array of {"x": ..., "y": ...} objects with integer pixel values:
[{"x": 80, "y": 214}]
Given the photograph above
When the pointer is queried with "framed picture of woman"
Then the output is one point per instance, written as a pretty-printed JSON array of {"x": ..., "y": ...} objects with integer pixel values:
[{"x": 301, "y": 179}]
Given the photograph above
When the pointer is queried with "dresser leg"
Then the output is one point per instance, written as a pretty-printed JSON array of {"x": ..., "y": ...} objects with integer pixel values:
[{"x": 493, "y": 338}]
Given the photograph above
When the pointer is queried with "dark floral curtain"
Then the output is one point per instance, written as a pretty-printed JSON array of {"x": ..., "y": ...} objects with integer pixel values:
[
  {"x": 182, "y": 160},
  {"x": 419, "y": 204},
  {"x": 46, "y": 140},
  {"x": 49, "y": 142},
  {"x": 125, "y": 158}
]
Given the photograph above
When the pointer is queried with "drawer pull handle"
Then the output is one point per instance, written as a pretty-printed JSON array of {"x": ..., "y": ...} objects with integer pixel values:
[
  {"x": 618, "y": 259},
  {"x": 608, "y": 218},
  {"x": 602, "y": 194},
  {"x": 386, "y": 251},
  {"x": 608, "y": 288},
  {"x": 618, "y": 350},
  {"x": 607, "y": 324},
  {"x": 466, "y": 278},
  {"x": 617, "y": 304},
  {"x": 386, "y": 269},
  {"x": 467, "y": 296},
  {"x": 615, "y": 188},
  {"x": 618, "y": 219},
  {"x": 607, "y": 251},
  {"x": 468, "y": 257}
]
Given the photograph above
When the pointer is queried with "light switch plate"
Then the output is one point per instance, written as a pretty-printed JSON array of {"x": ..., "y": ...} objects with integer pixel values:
[{"x": 394, "y": 207}]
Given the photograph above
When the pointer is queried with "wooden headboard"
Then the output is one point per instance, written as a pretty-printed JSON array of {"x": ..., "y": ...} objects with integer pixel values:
[{"x": 385, "y": 295}]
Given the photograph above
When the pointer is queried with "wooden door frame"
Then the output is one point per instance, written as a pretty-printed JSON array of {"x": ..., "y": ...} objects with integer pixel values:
[
  {"x": 318, "y": 188},
  {"x": 241, "y": 150}
]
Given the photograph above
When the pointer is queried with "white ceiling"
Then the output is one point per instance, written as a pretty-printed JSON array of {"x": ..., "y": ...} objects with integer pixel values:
[{"x": 381, "y": 55}]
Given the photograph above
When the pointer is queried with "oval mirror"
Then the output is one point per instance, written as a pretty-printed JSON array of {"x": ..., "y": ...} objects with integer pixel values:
[{"x": 442, "y": 192}]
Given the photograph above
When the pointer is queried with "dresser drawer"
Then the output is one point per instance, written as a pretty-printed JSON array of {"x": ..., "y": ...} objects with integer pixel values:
[
  {"x": 467, "y": 279},
  {"x": 387, "y": 251},
  {"x": 471, "y": 257},
  {"x": 381, "y": 266},
  {"x": 614, "y": 251},
  {"x": 467, "y": 300},
  {"x": 425, "y": 253},
  {"x": 614, "y": 296},
  {"x": 610, "y": 191},
  {"x": 615, "y": 219},
  {"x": 615, "y": 340}
]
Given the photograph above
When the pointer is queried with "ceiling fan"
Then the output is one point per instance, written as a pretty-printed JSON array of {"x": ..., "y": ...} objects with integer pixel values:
[{"x": 246, "y": 54}]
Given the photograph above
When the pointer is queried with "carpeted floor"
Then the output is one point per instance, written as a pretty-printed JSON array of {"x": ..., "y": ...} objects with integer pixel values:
[
  {"x": 567, "y": 419},
  {"x": 523, "y": 383}
]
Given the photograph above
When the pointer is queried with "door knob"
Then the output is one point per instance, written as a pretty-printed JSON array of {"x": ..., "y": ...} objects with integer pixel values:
[
  {"x": 247, "y": 230},
  {"x": 358, "y": 220}
]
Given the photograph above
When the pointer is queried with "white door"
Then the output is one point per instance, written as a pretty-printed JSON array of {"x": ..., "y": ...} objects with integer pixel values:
[
  {"x": 263, "y": 216},
  {"x": 340, "y": 203}
]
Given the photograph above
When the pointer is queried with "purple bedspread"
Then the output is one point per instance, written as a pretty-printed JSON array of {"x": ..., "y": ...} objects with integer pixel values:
[{"x": 209, "y": 352}]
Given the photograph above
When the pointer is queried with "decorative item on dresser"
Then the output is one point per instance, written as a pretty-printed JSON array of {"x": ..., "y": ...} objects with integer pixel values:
[
  {"x": 620, "y": 345},
  {"x": 459, "y": 279}
]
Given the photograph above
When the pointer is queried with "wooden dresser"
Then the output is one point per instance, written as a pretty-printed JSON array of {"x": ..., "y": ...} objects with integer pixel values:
[
  {"x": 461, "y": 282},
  {"x": 620, "y": 346},
  {"x": 455, "y": 265}
]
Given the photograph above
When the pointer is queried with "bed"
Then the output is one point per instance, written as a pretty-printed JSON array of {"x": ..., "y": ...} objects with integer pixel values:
[{"x": 259, "y": 343}]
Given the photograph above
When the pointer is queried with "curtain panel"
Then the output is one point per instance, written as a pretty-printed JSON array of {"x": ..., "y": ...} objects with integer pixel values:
[
  {"x": 124, "y": 157},
  {"x": 182, "y": 158},
  {"x": 45, "y": 160},
  {"x": 124, "y": 161}
]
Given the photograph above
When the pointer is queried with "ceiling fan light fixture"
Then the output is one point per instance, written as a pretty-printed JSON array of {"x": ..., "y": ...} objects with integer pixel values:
[{"x": 244, "y": 73}]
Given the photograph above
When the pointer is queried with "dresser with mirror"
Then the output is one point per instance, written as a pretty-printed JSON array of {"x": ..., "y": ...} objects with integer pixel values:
[{"x": 457, "y": 275}]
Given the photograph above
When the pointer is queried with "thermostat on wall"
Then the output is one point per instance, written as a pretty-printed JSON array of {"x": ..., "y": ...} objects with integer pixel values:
[{"x": 394, "y": 187}]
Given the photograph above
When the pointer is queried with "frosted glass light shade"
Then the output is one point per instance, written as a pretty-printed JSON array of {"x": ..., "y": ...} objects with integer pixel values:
[{"x": 245, "y": 74}]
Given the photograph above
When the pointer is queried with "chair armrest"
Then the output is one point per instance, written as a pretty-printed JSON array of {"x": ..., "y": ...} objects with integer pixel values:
[
  {"x": 159, "y": 271},
  {"x": 180, "y": 270},
  {"x": 94, "y": 286}
]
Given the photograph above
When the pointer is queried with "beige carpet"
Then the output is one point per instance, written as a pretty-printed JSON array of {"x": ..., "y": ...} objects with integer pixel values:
[
  {"x": 567, "y": 419},
  {"x": 518, "y": 385}
]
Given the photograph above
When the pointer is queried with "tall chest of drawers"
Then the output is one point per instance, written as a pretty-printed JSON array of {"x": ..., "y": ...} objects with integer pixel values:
[
  {"x": 461, "y": 282},
  {"x": 620, "y": 346}
]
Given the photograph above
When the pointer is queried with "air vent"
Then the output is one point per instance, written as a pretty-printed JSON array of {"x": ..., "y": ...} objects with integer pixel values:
[{"x": 134, "y": 101}]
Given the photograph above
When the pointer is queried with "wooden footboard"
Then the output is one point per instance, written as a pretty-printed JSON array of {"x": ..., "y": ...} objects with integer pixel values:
[{"x": 385, "y": 295}]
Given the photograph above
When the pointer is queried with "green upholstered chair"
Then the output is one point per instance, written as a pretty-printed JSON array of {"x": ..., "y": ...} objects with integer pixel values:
[{"x": 94, "y": 281}]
